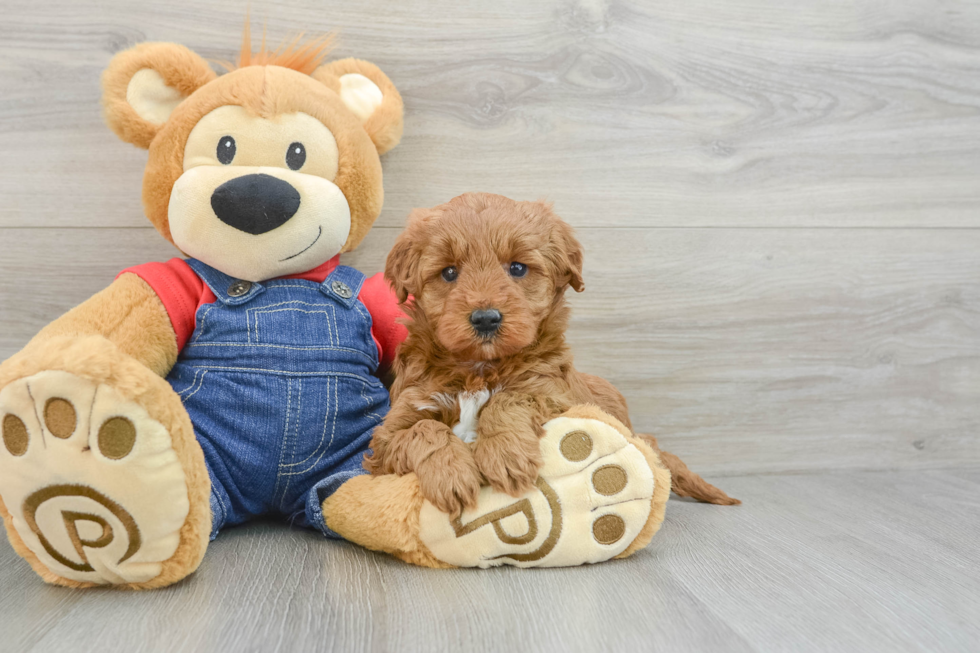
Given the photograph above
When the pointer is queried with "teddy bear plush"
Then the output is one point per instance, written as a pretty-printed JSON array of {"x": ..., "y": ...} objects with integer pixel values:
[{"x": 243, "y": 380}]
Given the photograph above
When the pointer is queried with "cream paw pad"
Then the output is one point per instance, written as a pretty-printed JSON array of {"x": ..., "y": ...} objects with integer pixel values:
[
  {"x": 594, "y": 496},
  {"x": 92, "y": 482}
]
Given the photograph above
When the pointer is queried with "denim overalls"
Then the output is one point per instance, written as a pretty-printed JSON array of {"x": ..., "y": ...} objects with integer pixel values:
[{"x": 278, "y": 378}]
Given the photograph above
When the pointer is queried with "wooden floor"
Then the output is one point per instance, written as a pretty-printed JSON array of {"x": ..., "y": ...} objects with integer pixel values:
[
  {"x": 861, "y": 561},
  {"x": 780, "y": 204}
]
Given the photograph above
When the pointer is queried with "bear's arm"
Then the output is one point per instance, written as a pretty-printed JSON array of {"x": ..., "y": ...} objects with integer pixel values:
[{"x": 130, "y": 315}]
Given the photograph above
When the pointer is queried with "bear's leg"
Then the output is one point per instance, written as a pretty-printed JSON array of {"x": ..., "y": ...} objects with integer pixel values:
[
  {"x": 601, "y": 494},
  {"x": 102, "y": 481}
]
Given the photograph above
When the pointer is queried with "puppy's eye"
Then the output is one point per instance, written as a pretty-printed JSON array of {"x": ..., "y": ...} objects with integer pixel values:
[
  {"x": 226, "y": 150},
  {"x": 295, "y": 156},
  {"x": 518, "y": 269},
  {"x": 450, "y": 273}
]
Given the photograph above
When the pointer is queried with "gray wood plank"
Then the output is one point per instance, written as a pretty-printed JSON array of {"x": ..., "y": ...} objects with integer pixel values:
[
  {"x": 628, "y": 113},
  {"x": 971, "y": 475},
  {"x": 745, "y": 350},
  {"x": 843, "y": 562}
]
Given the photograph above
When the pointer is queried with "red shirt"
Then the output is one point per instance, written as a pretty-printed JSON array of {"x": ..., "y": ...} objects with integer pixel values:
[{"x": 183, "y": 292}]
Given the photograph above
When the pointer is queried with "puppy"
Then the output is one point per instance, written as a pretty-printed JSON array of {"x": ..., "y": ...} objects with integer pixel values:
[{"x": 485, "y": 364}]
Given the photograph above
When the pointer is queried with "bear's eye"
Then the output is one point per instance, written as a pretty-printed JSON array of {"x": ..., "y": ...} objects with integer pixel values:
[
  {"x": 518, "y": 269},
  {"x": 226, "y": 149},
  {"x": 450, "y": 273},
  {"x": 295, "y": 156}
]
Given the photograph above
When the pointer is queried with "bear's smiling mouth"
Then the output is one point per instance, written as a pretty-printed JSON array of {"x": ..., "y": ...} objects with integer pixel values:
[{"x": 318, "y": 234}]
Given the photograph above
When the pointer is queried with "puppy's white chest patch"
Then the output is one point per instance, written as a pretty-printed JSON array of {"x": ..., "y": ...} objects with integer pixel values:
[{"x": 470, "y": 404}]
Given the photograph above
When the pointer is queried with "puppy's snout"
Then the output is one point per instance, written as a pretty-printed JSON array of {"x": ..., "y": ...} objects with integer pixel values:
[
  {"x": 255, "y": 203},
  {"x": 486, "y": 321}
]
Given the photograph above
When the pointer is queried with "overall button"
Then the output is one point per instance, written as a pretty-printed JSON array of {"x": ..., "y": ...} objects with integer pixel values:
[
  {"x": 342, "y": 289},
  {"x": 239, "y": 288}
]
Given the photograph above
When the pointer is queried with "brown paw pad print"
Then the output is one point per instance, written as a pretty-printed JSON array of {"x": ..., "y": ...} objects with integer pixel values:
[
  {"x": 608, "y": 480},
  {"x": 115, "y": 439}
]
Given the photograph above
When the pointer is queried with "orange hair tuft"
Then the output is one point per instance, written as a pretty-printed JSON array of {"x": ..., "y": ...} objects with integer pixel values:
[{"x": 303, "y": 57}]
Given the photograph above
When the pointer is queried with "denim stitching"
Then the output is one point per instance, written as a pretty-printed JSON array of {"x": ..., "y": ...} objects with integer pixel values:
[
  {"x": 293, "y": 285},
  {"x": 248, "y": 324},
  {"x": 294, "y": 347},
  {"x": 215, "y": 486},
  {"x": 368, "y": 359},
  {"x": 200, "y": 385},
  {"x": 323, "y": 433},
  {"x": 371, "y": 382},
  {"x": 190, "y": 385},
  {"x": 285, "y": 434},
  {"x": 369, "y": 323},
  {"x": 259, "y": 309},
  {"x": 282, "y": 310},
  {"x": 334, "y": 332},
  {"x": 295, "y": 443},
  {"x": 333, "y": 432},
  {"x": 199, "y": 331},
  {"x": 256, "y": 312}
]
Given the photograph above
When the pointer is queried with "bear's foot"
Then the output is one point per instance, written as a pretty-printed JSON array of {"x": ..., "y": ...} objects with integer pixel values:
[
  {"x": 92, "y": 489},
  {"x": 601, "y": 493}
]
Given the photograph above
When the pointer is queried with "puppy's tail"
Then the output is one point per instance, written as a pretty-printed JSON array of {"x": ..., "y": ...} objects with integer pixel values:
[{"x": 685, "y": 483}]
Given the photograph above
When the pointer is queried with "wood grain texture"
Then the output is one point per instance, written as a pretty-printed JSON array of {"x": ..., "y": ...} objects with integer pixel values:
[
  {"x": 629, "y": 113},
  {"x": 846, "y": 562}
]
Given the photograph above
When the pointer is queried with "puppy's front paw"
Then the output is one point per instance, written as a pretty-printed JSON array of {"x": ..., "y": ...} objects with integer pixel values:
[
  {"x": 509, "y": 463},
  {"x": 449, "y": 479}
]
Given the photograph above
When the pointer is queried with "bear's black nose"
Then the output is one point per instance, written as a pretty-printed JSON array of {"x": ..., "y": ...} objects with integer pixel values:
[
  {"x": 486, "y": 321},
  {"x": 255, "y": 204}
]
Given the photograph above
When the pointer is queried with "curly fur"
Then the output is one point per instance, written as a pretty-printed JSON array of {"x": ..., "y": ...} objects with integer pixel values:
[{"x": 527, "y": 365}]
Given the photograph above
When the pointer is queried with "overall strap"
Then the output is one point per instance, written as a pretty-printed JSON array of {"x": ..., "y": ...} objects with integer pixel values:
[
  {"x": 229, "y": 290},
  {"x": 343, "y": 285}
]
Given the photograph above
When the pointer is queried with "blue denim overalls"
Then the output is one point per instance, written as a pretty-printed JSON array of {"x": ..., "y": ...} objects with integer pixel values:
[{"x": 278, "y": 378}]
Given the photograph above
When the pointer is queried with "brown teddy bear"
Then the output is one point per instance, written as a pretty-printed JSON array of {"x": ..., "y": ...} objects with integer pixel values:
[{"x": 193, "y": 395}]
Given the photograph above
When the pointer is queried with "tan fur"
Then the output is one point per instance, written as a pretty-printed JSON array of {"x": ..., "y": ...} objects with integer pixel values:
[
  {"x": 100, "y": 361},
  {"x": 127, "y": 313},
  {"x": 179, "y": 67},
  {"x": 527, "y": 362},
  {"x": 265, "y": 91},
  {"x": 381, "y": 513},
  {"x": 385, "y": 125}
]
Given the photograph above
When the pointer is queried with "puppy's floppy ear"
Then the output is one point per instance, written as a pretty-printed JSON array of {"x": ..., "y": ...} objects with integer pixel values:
[
  {"x": 399, "y": 266},
  {"x": 402, "y": 264},
  {"x": 369, "y": 95},
  {"x": 566, "y": 251},
  {"x": 575, "y": 260},
  {"x": 143, "y": 85}
]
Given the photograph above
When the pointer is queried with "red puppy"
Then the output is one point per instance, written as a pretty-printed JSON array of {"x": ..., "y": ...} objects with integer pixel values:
[{"x": 486, "y": 364}]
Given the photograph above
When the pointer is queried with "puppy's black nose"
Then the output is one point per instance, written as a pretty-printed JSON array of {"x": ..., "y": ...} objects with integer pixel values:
[
  {"x": 486, "y": 321},
  {"x": 256, "y": 203}
]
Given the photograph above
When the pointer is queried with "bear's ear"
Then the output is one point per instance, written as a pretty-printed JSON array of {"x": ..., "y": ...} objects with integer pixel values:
[
  {"x": 369, "y": 95},
  {"x": 143, "y": 85}
]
